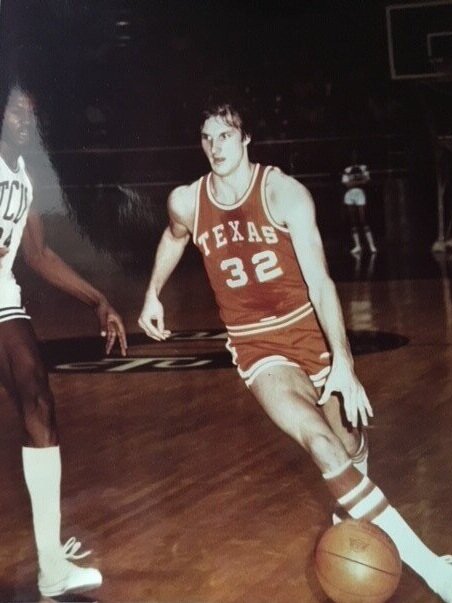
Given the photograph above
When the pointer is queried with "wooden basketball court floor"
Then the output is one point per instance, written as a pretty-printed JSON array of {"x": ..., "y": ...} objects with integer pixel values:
[{"x": 186, "y": 491}]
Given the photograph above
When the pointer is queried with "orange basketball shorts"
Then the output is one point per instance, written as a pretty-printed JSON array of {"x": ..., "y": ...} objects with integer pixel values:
[{"x": 295, "y": 339}]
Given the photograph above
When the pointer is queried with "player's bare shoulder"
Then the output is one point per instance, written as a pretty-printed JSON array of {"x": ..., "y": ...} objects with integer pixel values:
[
  {"x": 181, "y": 205},
  {"x": 285, "y": 195}
]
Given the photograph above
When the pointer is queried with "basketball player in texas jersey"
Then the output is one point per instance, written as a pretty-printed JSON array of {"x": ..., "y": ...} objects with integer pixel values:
[
  {"x": 256, "y": 230},
  {"x": 22, "y": 372}
]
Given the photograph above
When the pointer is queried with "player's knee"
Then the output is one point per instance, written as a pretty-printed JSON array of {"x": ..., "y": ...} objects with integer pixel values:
[
  {"x": 35, "y": 397},
  {"x": 34, "y": 389},
  {"x": 38, "y": 402}
]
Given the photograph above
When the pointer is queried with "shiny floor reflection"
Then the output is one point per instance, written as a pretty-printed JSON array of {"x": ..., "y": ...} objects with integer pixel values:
[{"x": 184, "y": 488}]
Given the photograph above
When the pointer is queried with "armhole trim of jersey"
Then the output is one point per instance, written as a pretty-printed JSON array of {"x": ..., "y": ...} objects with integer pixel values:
[
  {"x": 197, "y": 206},
  {"x": 265, "y": 202}
]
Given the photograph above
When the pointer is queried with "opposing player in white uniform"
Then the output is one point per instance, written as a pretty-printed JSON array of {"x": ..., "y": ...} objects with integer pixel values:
[
  {"x": 355, "y": 177},
  {"x": 15, "y": 200},
  {"x": 239, "y": 223},
  {"x": 22, "y": 372}
]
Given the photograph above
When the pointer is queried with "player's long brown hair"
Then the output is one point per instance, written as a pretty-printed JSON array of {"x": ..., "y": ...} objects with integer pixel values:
[{"x": 230, "y": 108}]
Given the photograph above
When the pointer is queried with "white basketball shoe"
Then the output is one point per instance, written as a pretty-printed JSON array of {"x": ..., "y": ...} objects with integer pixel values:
[{"x": 62, "y": 576}]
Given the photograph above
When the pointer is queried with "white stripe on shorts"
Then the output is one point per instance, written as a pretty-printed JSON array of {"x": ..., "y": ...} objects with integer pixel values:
[
  {"x": 319, "y": 378},
  {"x": 271, "y": 323},
  {"x": 264, "y": 363},
  {"x": 261, "y": 365}
]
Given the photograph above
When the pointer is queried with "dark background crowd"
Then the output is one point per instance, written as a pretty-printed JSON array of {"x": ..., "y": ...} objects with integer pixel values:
[
  {"x": 118, "y": 72},
  {"x": 119, "y": 84}
]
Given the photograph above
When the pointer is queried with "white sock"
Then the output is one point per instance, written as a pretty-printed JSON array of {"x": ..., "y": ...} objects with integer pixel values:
[
  {"x": 361, "y": 466},
  {"x": 42, "y": 471},
  {"x": 360, "y": 497},
  {"x": 360, "y": 462},
  {"x": 411, "y": 548}
]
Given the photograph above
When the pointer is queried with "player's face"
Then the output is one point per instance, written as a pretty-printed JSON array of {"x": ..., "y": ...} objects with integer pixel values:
[
  {"x": 19, "y": 114},
  {"x": 223, "y": 145}
]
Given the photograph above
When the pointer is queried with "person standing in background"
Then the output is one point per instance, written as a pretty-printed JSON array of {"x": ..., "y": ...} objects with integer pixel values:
[{"x": 355, "y": 177}]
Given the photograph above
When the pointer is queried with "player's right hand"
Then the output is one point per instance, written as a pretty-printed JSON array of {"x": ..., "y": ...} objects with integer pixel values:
[
  {"x": 152, "y": 319},
  {"x": 342, "y": 380}
]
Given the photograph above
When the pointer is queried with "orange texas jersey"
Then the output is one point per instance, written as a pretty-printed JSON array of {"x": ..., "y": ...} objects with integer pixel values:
[{"x": 249, "y": 258}]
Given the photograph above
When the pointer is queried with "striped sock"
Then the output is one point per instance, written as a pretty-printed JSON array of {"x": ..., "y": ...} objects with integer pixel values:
[
  {"x": 359, "y": 460},
  {"x": 359, "y": 496}
]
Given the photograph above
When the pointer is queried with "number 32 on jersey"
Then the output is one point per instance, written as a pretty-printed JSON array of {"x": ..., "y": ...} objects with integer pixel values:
[{"x": 265, "y": 266}]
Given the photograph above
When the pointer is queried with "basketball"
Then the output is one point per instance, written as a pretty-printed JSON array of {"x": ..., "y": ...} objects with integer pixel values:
[{"x": 356, "y": 562}]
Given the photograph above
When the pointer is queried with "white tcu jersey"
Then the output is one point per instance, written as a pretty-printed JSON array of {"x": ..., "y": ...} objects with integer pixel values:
[
  {"x": 16, "y": 195},
  {"x": 355, "y": 173}
]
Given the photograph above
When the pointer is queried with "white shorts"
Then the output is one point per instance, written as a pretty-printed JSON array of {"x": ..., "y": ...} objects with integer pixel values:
[
  {"x": 355, "y": 196},
  {"x": 11, "y": 301}
]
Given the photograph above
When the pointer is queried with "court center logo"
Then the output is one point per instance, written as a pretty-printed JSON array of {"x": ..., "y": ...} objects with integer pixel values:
[{"x": 183, "y": 351}]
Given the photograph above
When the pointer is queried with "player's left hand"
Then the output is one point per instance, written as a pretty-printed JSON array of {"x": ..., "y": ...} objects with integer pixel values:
[
  {"x": 111, "y": 326},
  {"x": 343, "y": 380}
]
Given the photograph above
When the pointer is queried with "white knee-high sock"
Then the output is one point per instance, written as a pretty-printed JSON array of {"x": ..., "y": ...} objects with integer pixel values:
[
  {"x": 42, "y": 471},
  {"x": 411, "y": 548},
  {"x": 363, "y": 500},
  {"x": 361, "y": 456}
]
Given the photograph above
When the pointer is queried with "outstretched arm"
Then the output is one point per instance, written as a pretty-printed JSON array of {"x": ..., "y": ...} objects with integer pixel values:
[
  {"x": 169, "y": 252},
  {"x": 294, "y": 207},
  {"x": 53, "y": 269}
]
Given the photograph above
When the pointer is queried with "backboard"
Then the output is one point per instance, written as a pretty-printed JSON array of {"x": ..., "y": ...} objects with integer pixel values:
[{"x": 419, "y": 39}]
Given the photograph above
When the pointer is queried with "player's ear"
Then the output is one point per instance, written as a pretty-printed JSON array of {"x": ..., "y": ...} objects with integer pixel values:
[{"x": 246, "y": 140}]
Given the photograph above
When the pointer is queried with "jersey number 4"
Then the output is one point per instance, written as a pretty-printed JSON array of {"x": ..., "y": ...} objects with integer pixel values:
[{"x": 265, "y": 267}]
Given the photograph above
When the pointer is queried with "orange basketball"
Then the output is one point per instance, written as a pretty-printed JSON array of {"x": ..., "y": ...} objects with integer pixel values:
[{"x": 356, "y": 562}]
